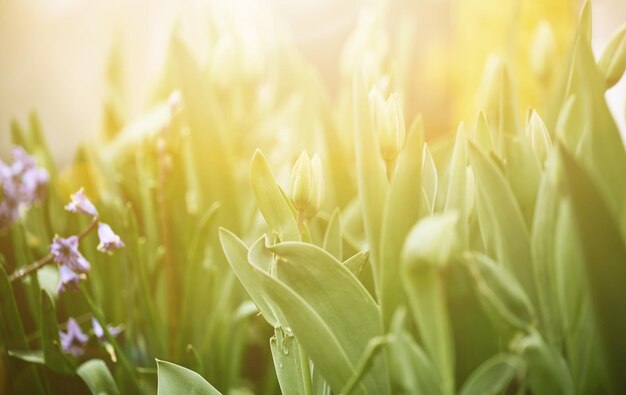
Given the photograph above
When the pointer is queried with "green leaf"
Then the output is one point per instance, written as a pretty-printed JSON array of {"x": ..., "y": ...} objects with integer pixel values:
[
  {"x": 429, "y": 177},
  {"x": 499, "y": 291},
  {"x": 97, "y": 376},
  {"x": 604, "y": 253},
  {"x": 357, "y": 262},
  {"x": 333, "y": 243},
  {"x": 584, "y": 21},
  {"x": 31, "y": 356},
  {"x": 51, "y": 341},
  {"x": 410, "y": 368},
  {"x": 456, "y": 198},
  {"x": 12, "y": 329},
  {"x": 401, "y": 213},
  {"x": 493, "y": 376},
  {"x": 547, "y": 371},
  {"x": 371, "y": 171},
  {"x": 543, "y": 243},
  {"x": 287, "y": 362},
  {"x": 339, "y": 299},
  {"x": 612, "y": 62},
  {"x": 600, "y": 148},
  {"x": 313, "y": 333},
  {"x": 482, "y": 133},
  {"x": 512, "y": 244},
  {"x": 523, "y": 173},
  {"x": 270, "y": 200},
  {"x": 174, "y": 379},
  {"x": 237, "y": 255},
  {"x": 12, "y": 337}
]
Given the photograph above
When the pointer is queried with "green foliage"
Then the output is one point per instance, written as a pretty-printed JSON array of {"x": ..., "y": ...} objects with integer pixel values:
[{"x": 490, "y": 260}]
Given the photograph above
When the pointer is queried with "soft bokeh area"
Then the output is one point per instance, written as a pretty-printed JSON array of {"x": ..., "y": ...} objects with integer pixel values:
[{"x": 54, "y": 53}]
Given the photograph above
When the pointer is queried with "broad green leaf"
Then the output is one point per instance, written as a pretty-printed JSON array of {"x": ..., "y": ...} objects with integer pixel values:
[
  {"x": 494, "y": 376},
  {"x": 237, "y": 255},
  {"x": 430, "y": 245},
  {"x": 612, "y": 62},
  {"x": 270, "y": 200},
  {"x": 174, "y": 379},
  {"x": 499, "y": 291},
  {"x": 411, "y": 370},
  {"x": 510, "y": 231},
  {"x": 543, "y": 236},
  {"x": 288, "y": 363},
  {"x": 523, "y": 173},
  {"x": 401, "y": 213},
  {"x": 571, "y": 291},
  {"x": 310, "y": 329},
  {"x": 600, "y": 149},
  {"x": 98, "y": 378},
  {"x": 333, "y": 242},
  {"x": 51, "y": 341},
  {"x": 604, "y": 253},
  {"x": 333, "y": 292},
  {"x": 371, "y": 173},
  {"x": 547, "y": 371}
]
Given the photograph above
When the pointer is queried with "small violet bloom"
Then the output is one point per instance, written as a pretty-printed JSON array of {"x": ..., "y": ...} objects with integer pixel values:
[
  {"x": 73, "y": 341},
  {"x": 68, "y": 279},
  {"x": 109, "y": 241},
  {"x": 80, "y": 204},
  {"x": 99, "y": 332},
  {"x": 65, "y": 252}
]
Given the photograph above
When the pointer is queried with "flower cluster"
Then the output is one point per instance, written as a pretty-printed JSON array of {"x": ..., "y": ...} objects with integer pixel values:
[
  {"x": 73, "y": 267},
  {"x": 74, "y": 340},
  {"x": 22, "y": 184}
]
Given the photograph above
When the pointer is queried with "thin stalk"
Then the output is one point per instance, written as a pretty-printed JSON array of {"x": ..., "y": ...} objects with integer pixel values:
[{"x": 170, "y": 274}]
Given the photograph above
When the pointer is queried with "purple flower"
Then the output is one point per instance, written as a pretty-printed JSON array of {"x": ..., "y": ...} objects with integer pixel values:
[
  {"x": 80, "y": 204},
  {"x": 109, "y": 241},
  {"x": 23, "y": 183},
  {"x": 73, "y": 341},
  {"x": 99, "y": 332},
  {"x": 65, "y": 252},
  {"x": 35, "y": 181},
  {"x": 68, "y": 279}
]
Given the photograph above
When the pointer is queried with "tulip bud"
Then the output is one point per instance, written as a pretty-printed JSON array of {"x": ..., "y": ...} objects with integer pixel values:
[
  {"x": 542, "y": 52},
  {"x": 539, "y": 137},
  {"x": 317, "y": 184},
  {"x": 388, "y": 121},
  {"x": 301, "y": 183}
]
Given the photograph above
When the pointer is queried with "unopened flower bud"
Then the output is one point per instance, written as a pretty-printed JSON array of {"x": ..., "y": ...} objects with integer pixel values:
[
  {"x": 388, "y": 121},
  {"x": 543, "y": 51},
  {"x": 301, "y": 183},
  {"x": 317, "y": 184},
  {"x": 539, "y": 137}
]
